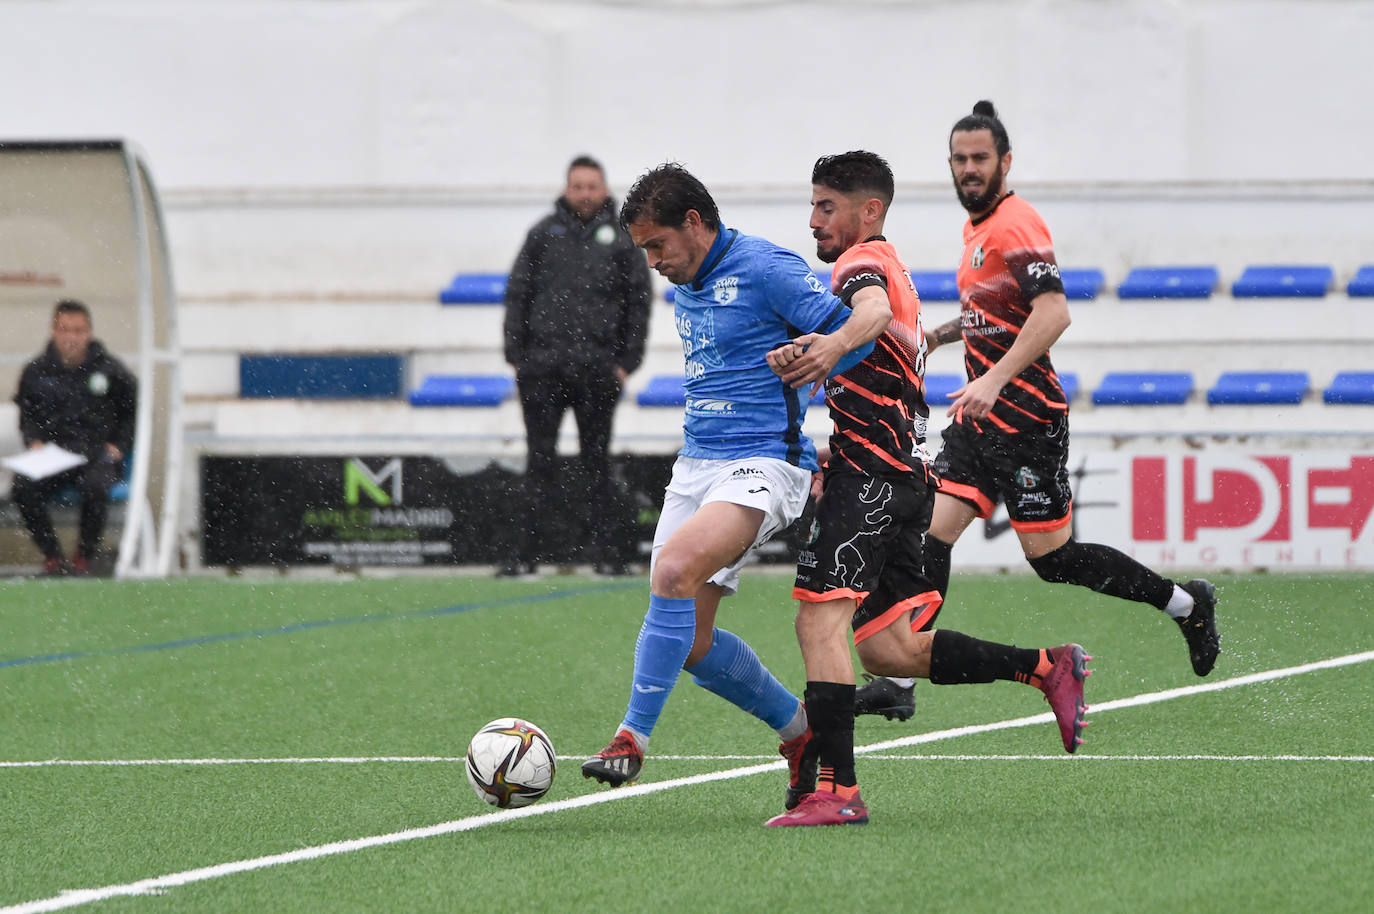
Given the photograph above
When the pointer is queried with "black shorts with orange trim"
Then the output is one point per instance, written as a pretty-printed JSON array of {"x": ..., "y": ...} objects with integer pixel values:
[
  {"x": 866, "y": 545},
  {"x": 1029, "y": 471}
]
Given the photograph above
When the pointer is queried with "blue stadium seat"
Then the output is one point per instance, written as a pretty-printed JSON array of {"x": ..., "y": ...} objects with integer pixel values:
[
  {"x": 1169, "y": 282},
  {"x": 936, "y": 285},
  {"x": 70, "y": 496},
  {"x": 1362, "y": 283},
  {"x": 663, "y": 390},
  {"x": 463, "y": 390},
  {"x": 1253, "y": 387},
  {"x": 1351, "y": 387},
  {"x": 1069, "y": 381},
  {"x": 938, "y": 386},
  {"x": 1082, "y": 284},
  {"x": 1283, "y": 282},
  {"x": 328, "y": 377},
  {"x": 475, "y": 289},
  {"x": 1123, "y": 388}
]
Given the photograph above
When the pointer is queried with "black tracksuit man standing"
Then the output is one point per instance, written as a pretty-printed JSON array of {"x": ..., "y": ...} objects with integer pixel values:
[{"x": 577, "y": 313}]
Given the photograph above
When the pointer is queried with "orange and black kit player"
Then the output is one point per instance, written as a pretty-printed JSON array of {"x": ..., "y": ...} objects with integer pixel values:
[
  {"x": 1010, "y": 292},
  {"x": 1019, "y": 453}
]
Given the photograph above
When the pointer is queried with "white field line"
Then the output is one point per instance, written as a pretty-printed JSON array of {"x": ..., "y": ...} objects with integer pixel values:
[
  {"x": 304, "y": 760},
  {"x": 1147, "y": 698},
  {"x": 74, "y": 897},
  {"x": 1081, "y": 757},
  {"x": 457, "y": 760}
]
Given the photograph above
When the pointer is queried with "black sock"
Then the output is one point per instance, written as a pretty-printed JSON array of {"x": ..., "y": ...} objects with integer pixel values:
[
  {"x": 830, "y": 711},
  {"x": 937, "y": 561},
  {"x": 955, "y": 659},
  {"x": 1105, "y": 570}
]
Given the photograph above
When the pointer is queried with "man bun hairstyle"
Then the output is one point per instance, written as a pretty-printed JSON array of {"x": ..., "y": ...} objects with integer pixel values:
[
  {"x": 856, "y": 171},
  {"x": 665, "y": 194},
  {"x": 984, "y": 117}
]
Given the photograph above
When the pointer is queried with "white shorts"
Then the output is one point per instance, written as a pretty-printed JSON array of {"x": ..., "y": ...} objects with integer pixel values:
[{"x": 775, "y": 487}]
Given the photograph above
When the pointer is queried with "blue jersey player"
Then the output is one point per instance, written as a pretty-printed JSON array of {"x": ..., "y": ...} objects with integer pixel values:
[{"x": 744, "y": 471}]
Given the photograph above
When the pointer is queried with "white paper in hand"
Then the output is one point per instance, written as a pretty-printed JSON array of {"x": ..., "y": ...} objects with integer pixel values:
[{"x": 40, "y": 463}]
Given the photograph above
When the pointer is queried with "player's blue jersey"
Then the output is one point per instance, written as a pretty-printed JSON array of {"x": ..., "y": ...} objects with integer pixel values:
[{"x": 748, "y": 297}]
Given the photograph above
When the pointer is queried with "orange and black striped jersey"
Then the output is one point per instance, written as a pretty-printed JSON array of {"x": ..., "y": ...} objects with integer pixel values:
[
  {"x": 1008, "y": 261},
  {"x": 879, "y": 405}
]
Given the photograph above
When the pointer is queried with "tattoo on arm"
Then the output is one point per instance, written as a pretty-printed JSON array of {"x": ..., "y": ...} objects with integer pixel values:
[{"x": 948, "y": 332}]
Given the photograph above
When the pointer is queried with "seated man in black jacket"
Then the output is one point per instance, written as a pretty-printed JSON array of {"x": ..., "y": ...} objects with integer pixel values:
[
  {"x": 79, "y": 397},
  {"x": 577, "y": 312}
]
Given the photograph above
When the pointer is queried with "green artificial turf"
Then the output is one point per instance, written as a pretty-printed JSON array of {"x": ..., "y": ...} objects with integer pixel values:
[{"x": 336, "y": 710}]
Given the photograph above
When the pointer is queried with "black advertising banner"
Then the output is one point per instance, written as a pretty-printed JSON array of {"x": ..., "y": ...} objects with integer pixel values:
[
  {"x": 379, "y": 510},
  {"x": 339, "y": 510},
  {"x": 397, "y": 510}
]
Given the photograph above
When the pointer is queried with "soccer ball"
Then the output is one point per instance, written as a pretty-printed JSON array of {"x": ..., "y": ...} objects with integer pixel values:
[{"x": 510, "y": 763}]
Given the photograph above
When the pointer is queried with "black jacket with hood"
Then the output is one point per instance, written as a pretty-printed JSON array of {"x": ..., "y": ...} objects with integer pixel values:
[
  {"x": 578, "y": 295},
  {"x": 81, "y": 408}
]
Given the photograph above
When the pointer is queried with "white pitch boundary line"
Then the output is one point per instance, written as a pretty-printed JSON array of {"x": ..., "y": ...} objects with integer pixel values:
[
  {"x": 1147, "y": 698},
  {"x": 74, "y": 897},
  {"x": 1081, "y": 757},
  {"x": 431, "y": 759},
  {"x": 305, "y": 760}
]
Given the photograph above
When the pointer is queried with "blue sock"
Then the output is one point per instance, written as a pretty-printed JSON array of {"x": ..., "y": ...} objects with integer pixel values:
[
  {"x": 665, "y": 639},
  {"x": 733, "y": 671}
]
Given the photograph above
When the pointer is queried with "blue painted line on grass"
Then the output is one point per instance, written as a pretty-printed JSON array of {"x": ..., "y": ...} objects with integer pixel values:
[{"x": 313, "y": 624}]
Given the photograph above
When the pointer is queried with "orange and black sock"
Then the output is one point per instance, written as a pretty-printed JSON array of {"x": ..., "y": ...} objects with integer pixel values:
[
  {"x": 955, "y": 658},
  {"x": 1043, "y": 665},
  {"x": 830, "y": 709}
]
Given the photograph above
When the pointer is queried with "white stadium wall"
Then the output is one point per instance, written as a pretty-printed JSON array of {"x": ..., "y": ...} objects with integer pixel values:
[
  {"x": 355, "y": 155},
  {"x": 367, "y": 148}
]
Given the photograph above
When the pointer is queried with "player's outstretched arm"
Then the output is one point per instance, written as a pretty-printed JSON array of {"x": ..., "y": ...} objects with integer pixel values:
[
  {"x": 1048, "y": 319},
  {"x": 811, "y": 357},
  {"x": 948, "y": 332}
]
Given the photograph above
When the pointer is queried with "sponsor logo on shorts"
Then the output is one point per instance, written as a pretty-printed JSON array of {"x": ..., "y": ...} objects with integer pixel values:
[{"x": 747, "y": 471}]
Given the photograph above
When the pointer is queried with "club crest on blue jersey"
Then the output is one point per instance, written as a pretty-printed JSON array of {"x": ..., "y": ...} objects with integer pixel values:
[{"x": 726, "y": 289}]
